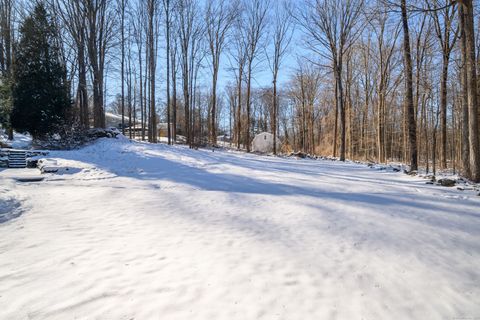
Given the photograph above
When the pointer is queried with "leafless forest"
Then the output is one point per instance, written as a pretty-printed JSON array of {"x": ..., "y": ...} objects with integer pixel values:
[{"x": 366, "y": 80}]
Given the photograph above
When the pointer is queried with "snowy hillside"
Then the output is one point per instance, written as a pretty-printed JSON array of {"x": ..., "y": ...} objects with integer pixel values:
[
  {"x": 139, "y": 231},
  {"x": 20, "y": 141}
]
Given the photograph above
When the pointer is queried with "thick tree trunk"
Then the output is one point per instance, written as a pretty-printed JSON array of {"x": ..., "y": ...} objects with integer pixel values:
[
  {"x": 122, "y": 63},
  {"x": 443, "y": 112},
  {"x": 249, "y": 87},
  {"x": 167, "y": 17},
  {"x": 174, "y": 96},
  {"x": 142, "y": 114},
  {"x": 186, "y": 101},
  {"x": 97, "y": 71},
  {"x": 98, "y": 111},
  {"x": 82, "y": 94},
  {"x": 146, "y": 131},
  {"x": 381, "y": 125},
  {"x": 465, "y": 152},
  {"x": 412, "y": 126},
  {"x": 341, "y": 103},
  {"x": 472, "y": 90},
  {"x": 152, "y": 57},
  {"x": 239, "y": 109},
  {"x": 213, "y": 116},
  {"x": 274, "y": 120},
  {"x": 335, "y": 127},
  {"x": 303, "y": 127}
]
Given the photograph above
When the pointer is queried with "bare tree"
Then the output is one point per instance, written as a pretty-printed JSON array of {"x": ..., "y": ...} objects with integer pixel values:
[
  {"x": 386, "y": 37},
  {"x": 304, "y": 92},
  {"x": 412, "y": 126},
  {"x": 446, "y": 33},
  {"x": 466, "y": 18},
  {"x": 122, "y": 5},
  {"x": 167, "y": 7},
  {"x": 282, "y": 36},
  {"x": 173, "y": 58},
  {"x": 255, "y": 25},
  {"x": 333, "y": 25},
  {"x": 219, "y": 17},
  {"x": 152, "y": 41},
  {"x": 99, "y": 16},
  {"x": 129, "y": 81},
  {"x": 138, "y": 34},
  {"x": 465, "y": 153},
  {"x": 239, "y": 56},
  {"x": 190, "y": 33}
]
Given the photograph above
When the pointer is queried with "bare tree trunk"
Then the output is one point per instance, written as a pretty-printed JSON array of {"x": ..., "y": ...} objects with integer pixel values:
[
  {"x": 239, "y": 109},
  {"x": 166, "y": 6},
  {"x": 304, "y": 116},
  {"x": 341, "y": 103},
  {"x": 139, "y": 27},
  {"x": 381, "y": 125},
  {"x": 219, "y": 19},
  {"x": 82, "y": 93},
  {"x": 281, "y": 39},
  {"x": 249, "y": 102},
  {"x": 189, "y": 34},
  {"x": 142, "y": 114},
  {"x": 122, "y": 41},
  {"x": 151, "y": 5},
  {"x": 174, "y": 93},
  {"x": 412, "y": 127},
  {"x": 443, "y": 112},
  {"x": 99, "y": 36},
  {"x": 335, "y": 127},
  {"x": 135, "y": 106},
  {"x": 472, "y": 95},
  {"x": 254, "y": 29},
  {"x": 213, "y": 115},
  {"x": 129, "y": 89},
  {"x": 146, "y": 94},
  {"x": 275, "y": 116}
]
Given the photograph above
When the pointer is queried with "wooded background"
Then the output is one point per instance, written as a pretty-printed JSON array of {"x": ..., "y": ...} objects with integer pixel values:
[{"x": 369, "y": 80}]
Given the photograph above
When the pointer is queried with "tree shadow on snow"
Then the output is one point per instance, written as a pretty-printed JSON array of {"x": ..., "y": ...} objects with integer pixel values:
[
  {"x": 10, "y": 208},
  {"x": 155, "y": 164}
]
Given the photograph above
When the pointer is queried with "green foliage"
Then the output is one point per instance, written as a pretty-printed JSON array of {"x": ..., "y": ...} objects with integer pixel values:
[
  {"x": 40, "y": 91},
  {"x": 5, "y": 101}
]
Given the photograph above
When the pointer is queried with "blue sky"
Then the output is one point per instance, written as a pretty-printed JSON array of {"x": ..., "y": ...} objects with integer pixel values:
[{"x": 262, "y": 76}]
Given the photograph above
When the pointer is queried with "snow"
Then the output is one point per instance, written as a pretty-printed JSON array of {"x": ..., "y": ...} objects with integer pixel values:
[
  {"x": 20, "y": 141},
  {"x": 141, "y": 231},
  {"x": 10, "y": 204}
]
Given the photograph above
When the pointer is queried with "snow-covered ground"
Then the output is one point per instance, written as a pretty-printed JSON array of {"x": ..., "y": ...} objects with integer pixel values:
[
  {"x": 140, "y": 231},
  {"x": 20, "y": 141}
]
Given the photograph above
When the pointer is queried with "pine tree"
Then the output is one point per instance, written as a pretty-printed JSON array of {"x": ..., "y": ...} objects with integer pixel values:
[
  {"x": 5, "y": 101},
  {"x": 40, "y": 90}
]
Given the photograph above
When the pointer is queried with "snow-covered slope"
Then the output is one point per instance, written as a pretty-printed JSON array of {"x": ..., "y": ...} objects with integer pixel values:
[
  {"x": 20, "y": 141},
  {"x": 139, "y": 231}
]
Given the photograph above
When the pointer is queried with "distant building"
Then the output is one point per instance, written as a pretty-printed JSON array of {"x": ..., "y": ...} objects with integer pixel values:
[{"x": 113, "y": 120}]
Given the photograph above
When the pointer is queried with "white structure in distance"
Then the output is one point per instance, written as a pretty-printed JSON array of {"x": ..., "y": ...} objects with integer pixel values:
[{"x": 263, "y": 143}]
